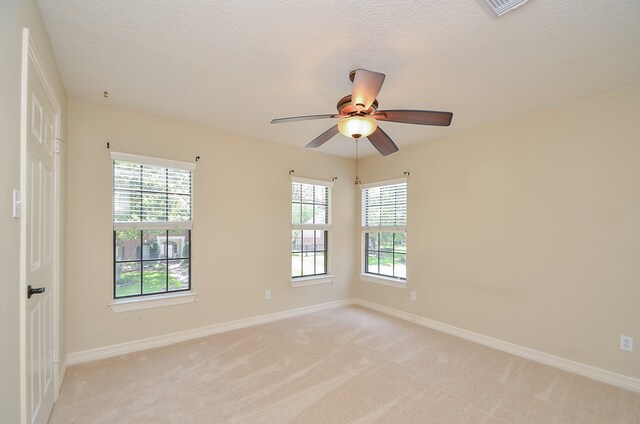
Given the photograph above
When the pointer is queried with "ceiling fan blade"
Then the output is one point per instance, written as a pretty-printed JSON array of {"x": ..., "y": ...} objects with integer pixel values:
[
  {"x": 382, "y": 142},
  {"x": 366, "y": 86},
  {"x": 421, "y": 117},
  {"x": 304, "y": 118},
  {"x": 322, "y": 138}
]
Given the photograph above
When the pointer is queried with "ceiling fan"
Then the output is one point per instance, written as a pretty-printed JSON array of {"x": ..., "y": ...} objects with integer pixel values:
[{"x": 358, "y": 113}]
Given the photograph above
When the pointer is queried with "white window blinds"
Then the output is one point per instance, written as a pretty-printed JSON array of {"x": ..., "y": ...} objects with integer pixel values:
[
  {"x": 384, "y": 206},
  {"x": 310, "y": 204},
  {"x": 148, "y": 195}
]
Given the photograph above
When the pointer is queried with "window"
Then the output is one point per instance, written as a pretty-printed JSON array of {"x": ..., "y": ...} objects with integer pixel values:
[
  {"x": 384, "y": 228},
  {"x": 151, "y": 225},
  {"x": 310, "y": 225}
]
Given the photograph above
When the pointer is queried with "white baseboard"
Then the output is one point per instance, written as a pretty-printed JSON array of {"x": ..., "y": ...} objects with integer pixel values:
[
  {"x": 152, "y": 342},
  {"x": 62, "y": 371},
  {"x": 589, "y": 371}
]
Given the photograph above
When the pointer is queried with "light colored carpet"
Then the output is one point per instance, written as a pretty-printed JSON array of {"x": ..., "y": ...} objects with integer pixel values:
[{"x": 348, "y": 365}]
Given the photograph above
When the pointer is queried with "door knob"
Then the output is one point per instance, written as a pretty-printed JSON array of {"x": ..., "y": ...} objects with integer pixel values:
[{"x": 31, "y": 291}]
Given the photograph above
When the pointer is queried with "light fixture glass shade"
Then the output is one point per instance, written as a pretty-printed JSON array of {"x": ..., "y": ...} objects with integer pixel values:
[{"x": 357, "y": 126}]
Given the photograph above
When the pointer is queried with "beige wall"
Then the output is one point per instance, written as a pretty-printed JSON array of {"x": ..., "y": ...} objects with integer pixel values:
[
  {"x": 525, "y": 230},
  {"x": 241, "y": 236},
  {"x": 14, "y": 15},
  {"x": 528, "y": 230}
]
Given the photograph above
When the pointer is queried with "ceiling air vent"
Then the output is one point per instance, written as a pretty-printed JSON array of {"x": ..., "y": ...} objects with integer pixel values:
[{"x": 500, "y": 7}]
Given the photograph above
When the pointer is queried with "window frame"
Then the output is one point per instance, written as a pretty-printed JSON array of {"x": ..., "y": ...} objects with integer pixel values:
[
  {"x": 159, "y": 298},
  {"x": 365, "y": 275},
  {"x": 313, "y": 279},
  {"x": 141, "y": 260}
]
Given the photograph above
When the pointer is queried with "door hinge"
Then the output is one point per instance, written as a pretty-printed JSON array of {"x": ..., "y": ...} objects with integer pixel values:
[
  {"x": 16, "y": 204},
  {"x": 55, "y": 355}
]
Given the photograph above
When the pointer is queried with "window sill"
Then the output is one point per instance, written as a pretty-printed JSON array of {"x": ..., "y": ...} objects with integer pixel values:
[
  {"x": 155, "y": 301},
  {"x": 311, "y": 281},
  {"x": 385, "y": 281}
]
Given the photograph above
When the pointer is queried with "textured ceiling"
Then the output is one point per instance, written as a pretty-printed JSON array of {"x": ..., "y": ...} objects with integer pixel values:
[{"x": 236, "y": 65}]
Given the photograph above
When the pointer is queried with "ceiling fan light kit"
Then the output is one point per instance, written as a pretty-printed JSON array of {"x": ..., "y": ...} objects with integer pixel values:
[
  {"x": 360, "y": 115},
  {"x": 357, "y": 126}
]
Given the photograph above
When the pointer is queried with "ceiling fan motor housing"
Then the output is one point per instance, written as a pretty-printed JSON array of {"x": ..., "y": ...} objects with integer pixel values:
[{"x": 346, "y": 108}]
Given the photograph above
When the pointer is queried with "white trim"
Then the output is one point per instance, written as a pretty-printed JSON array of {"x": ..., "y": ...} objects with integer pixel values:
[
  {"x": 398, "y": 229},
  {"x": 322, "y": 227},
  {"x": 619, "y": 380},
  {"x": 26, "y": 44},
  {"x": 311, "y": 181},
  {"x": 156, "y": 225},
  {"x": 311, "y": 280},
  {"x": 61, "y": 374},
  {"x": 364, "y": 230},
  {"x": 154, "y": 301},
  {"x": 298, "y": 281},
  {"x": 57, "y": 268},
  {"x": 385, "y": 281},
  {"x": 152, "y": 342},
  {"x": 148, "y": 160},
  {"x": 383, "y": 183}
]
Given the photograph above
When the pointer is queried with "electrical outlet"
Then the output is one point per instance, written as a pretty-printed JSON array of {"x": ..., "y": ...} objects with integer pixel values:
[
  {"x": 626, "y": 343},
  {"x": 267, "y": 295},
  {"x": 413, "y": 295}
]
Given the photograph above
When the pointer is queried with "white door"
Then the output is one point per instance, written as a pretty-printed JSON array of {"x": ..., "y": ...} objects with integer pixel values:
[{"x": 38, "y": 211}]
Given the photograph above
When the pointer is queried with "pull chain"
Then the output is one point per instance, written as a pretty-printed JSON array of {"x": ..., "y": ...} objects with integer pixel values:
[{"x": 357, "y": 178}]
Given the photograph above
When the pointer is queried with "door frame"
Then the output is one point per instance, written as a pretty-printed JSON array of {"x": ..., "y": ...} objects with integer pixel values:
[{"x": 29, "y": 54}]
